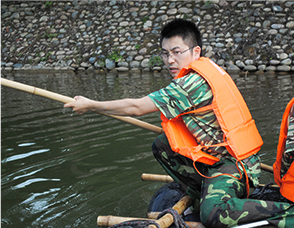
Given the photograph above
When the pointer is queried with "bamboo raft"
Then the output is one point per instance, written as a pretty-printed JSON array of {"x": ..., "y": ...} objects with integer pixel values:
[{"x": 167, "y": 219}]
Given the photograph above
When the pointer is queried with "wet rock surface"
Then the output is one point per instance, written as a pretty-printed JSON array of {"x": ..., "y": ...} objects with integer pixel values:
[{"x": 124, "y": 35}]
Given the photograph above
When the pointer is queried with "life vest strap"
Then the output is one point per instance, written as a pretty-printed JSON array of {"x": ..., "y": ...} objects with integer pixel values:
[
  {"x": 228, "y": 174},
  {"x": 198, "y": 110}
]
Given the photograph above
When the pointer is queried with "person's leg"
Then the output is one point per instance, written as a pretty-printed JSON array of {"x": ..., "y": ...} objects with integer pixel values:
[
  {"x": 223, "y": 203},
  {"x": 177, "y": 166}
]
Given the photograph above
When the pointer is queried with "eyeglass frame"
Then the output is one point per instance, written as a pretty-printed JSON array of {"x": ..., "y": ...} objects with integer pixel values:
[{"x": 171, "y": 53}]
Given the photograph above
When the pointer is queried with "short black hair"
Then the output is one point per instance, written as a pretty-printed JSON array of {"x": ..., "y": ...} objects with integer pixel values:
[{"x": 185, "y": 29}]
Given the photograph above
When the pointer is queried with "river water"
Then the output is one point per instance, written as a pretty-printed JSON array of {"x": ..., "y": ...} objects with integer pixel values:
[{"x": 60, "y": 169}]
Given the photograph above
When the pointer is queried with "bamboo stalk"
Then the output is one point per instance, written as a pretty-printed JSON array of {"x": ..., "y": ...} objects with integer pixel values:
[
  {"x": 168, "y": 179},
  {"x": 156, "y": 178},
  {"x": 112, "y": 220},
  {"x": 266, "y": 167},
  {"x": 65, "y": 99},
  {"x": 35, "y": 91},
  {"x": 168, "y": 219},
  {"x": 163, "y": 222}
]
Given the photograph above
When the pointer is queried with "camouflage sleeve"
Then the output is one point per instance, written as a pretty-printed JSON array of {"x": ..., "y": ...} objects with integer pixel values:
[{"x": 181, "y": 94}]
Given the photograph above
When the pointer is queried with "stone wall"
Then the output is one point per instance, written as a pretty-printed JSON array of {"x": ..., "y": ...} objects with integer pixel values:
[{"x": 123, "y": 35}]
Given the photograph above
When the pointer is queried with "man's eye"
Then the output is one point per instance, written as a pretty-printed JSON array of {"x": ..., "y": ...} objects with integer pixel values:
[{"x": 176, "y": 52}]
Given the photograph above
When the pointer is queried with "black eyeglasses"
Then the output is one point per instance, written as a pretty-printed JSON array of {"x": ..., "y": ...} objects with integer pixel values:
[{"x": 174, "y": 54}]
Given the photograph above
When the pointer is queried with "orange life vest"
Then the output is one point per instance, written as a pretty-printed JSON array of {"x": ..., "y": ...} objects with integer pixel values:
[
  {"x": 241, "y": 137},
  {"x": 287, "y": 182}
]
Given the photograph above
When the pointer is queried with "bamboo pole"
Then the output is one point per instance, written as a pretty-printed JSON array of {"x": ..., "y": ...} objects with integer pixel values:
[
  {"x": 168, "y": 219},
  {"x": 156, "y": 178},
  {"x": 65, "y": 99},
  {"x": 266, "y": 167},
  {"x": 113, "y": 220},
  {"x": 163, "y": 222},
  {"x": 168, "y": 179}
]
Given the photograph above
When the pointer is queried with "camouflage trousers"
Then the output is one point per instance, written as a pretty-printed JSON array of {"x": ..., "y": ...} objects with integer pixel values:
[{"x": 222, "y": 200}]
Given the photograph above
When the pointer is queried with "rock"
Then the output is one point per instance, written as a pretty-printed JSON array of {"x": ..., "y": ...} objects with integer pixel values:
[
  {"x": 122, "y": 69},
  {"x": 44, "y": 19},
  {"x": 277, "y": 8},
  {"x": 124, "y": 24},
  {"x": 17, "y": 65},
  {"x": 6, "y": 14},
  {"x": 270, "y": 68},
  {"x": 240, "y": 64},
  {"x": 134, "y": 64},
  {"x": 261, "y": 67},
  {"x": 145, "y": 63},
  {"x": 250, "y": 68},
  {"x": 9, "y": 64},
  {"x": 283, "y": 68},
  {"x": 109, "y": 64},
  {"x": 172, "y": 11},
  {"x": 248, "y": 61},
  {"x": 286, "y": 62},
  {"x": 283, "y": 56},
  {"x": 274, "y": 62},
  {"x": 290, "y": 24},
  {"x": 233, "y": 68},
  {"x": 15, "y": 16},
  {"x": 92, "y": 60},
  {"x": 84, "y": 64}
]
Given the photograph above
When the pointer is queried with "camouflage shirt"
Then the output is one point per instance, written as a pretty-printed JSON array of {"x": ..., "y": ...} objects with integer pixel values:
[{"x": 193, "y": 92}]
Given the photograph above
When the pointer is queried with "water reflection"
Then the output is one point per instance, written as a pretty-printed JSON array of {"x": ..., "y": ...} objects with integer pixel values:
[{"x": 60, "y": 169}]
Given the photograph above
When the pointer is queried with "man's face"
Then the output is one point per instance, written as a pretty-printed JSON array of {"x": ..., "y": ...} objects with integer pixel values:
[{"x": 176, "y": 54}]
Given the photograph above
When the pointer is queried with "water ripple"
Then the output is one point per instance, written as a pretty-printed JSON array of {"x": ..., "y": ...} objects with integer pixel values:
[
  {"x": 21, "y": 156},
  {"x": 31, "y": 181}
]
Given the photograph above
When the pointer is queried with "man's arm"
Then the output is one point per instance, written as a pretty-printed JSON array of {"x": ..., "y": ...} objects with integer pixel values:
[{"x": 124, "y": 107}]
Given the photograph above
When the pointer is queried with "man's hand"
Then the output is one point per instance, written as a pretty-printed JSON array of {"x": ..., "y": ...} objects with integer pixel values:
[{"x": 81, "y": 104}]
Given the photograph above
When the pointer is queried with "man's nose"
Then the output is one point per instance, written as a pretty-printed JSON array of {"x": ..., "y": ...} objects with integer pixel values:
[{"x": 170, "y": 58}]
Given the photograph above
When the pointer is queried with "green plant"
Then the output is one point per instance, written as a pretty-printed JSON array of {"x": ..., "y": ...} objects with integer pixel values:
[
  {"x": 38, "y": 53},
  {"x": 144, "y": 19},
  {"x": 185, "y": 16},
  {"x": 155, "y": 60},
  {"x": 137, "y": 46},
  {"x": 49, "y": 36},
  {"x": 46, "y": 56},
  {"x": 115, "y": 55},
  {"x": 101, "y": 62},
  {"x": 48, "y": 4}
]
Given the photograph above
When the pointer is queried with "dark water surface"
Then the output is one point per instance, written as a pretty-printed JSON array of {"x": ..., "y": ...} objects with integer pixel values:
[{"x": 60, "y": 169}]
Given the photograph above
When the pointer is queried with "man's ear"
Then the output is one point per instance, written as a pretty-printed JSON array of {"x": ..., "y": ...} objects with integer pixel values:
[{"x": 197, "y": 52}]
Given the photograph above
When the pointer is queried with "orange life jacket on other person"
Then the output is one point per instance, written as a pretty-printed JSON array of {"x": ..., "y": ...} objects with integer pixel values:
[
  {"x": 241, "y": 137},
  {"x": 286, "y": 183}
]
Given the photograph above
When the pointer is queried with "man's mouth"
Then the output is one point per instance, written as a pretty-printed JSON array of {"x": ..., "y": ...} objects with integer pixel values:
[{"x": 173, "y": 70}]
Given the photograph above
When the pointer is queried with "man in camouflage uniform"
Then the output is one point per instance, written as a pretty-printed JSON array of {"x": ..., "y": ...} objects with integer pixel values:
[{"x": 222, "y": 202}]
